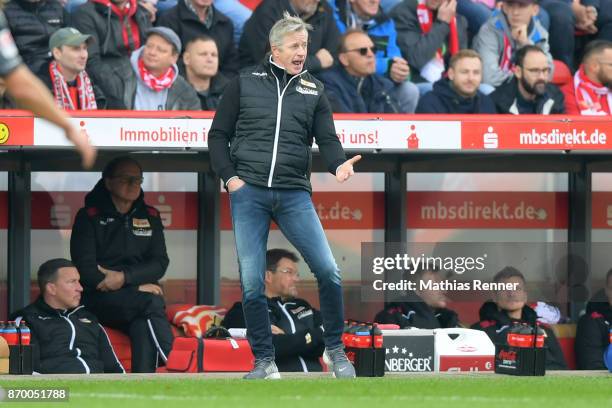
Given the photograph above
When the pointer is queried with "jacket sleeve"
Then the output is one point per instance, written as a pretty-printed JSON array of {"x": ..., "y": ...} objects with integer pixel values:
[
  {"x": 152, "y": 270},
  {"x": 429, "y": 103},
  {"x": 83, "y": 250},
  {"x": 416, "y": 47},
  {"x": 325, "y": 134},
  {"x": 234, "y": 318},
  {"x": 555, "y": 360},
  {"x": 107, "y": 354},
  {"x": 222, "y": 131},
  {"x": 589, "y": 346},
  {"x": 304, "y": 342},
  {"x": 383, "y": 60},
  {"x": 487, "y": 45}
]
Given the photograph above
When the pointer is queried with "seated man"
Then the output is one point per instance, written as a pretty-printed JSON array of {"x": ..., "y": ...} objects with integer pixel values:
[
  {"x": 31, "y": 23},
  {"x": 66, "y": 77},
  {"x": 423, "y": 309},
  {"x": 368, "y": 16},
  {"x": 118, "y": 245},
  {"x": 296, "y": 326},
  {"x": 429, "y": 32},
  {"x": 509, "y": 28},
  {"x": 323, "y": 39},
  {"x": 459, "y": 92},
  {"x": 593, "y": 330},
  {"x": 201, "y": 61},
  {"x": 68, "y": 337},
  {"x": 154, "y": 83},
  {"x": 592, "y": 94},
  {"x": 529, "y": 91},
  {"x": 510, "y": 306},
  {"x": 353, "y": 86}
]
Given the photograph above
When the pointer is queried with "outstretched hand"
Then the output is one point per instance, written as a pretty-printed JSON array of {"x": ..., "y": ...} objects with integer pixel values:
[{"x": 345, "y": 170}]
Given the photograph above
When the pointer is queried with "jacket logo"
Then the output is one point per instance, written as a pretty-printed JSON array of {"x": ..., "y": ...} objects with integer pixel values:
[
  {"x": 307, "y": 83},
  {"x": 44, "y": 317},
  {"x": 304, "y": 314},
  {"x": 306, "y": 91},
  {"x": 140, "y": 223},
  {"x": 84, "y": 320},
  {"x": 260, "y": 74},
  {"x": 107, "y": 221},
  {"x": 297, "y": 309}
]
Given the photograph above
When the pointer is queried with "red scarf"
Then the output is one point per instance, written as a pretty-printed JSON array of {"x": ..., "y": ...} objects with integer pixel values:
[
  {"x": 592, "y": 98},
  {"x": 506, "y": 64},
  {"x": 129, "y": 28},
  {"x": 64, "y": 98},
  {"x": 425, "y": 17},
  {"x": 157, "y": 84}
]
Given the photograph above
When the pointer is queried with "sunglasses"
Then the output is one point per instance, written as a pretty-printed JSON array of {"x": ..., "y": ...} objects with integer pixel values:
[{"x": 363, "y": 51}]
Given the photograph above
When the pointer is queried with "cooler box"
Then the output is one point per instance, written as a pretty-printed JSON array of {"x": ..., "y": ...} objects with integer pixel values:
[
  {"x": 409, "y": 350},
  {"x": 419, "y": 350},
  {"x": 460, "y": 349}
]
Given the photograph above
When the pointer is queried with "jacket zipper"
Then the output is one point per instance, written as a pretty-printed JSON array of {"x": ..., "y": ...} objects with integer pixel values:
[
  {"x": 292, "y": 323},
  {"x": 71, "y": 346},
  {"x": 279, "y": 108}
]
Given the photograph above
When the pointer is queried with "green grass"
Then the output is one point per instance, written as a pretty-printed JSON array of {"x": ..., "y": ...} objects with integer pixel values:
[{"x": 409, "y": 392}]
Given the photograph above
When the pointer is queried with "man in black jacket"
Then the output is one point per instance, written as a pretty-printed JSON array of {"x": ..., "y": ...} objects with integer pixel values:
[
  {"x": 323, "y": 41},
  {"x": 118, "y": 245},
  {"x": 260, "y": 143},
  {"x": 193, "y": 18},
  {"x": 117, "y": 28},
  {"x": 529, "y": 90},
  {"x": 423, "y": 308},
  {"x": 459, "y": 92},
  {"x": 593, "y": 330},
  {"x": 509, "y": 307},
  {"x": 68, "y": 338},
  {"x": 353, "y": 86},
  {"x": 66, "y": 76},
  {"x": 296, "y": 326},
  {"x": 32, "y": 22}
]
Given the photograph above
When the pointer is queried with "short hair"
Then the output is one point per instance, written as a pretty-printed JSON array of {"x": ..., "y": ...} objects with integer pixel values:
[
  {"x": 595, "y": 48},
  {"x": 111, "y": 166},
  {"x": 287, "y": 24},
  {"x": 462, "y": 54},
  {"x": 521, "y": 54},
  {"x": 47, "y": 272},
  {"x": 347, "y": 34},
  {"x": 507, "y": 273},
  {"x": 200, "y": 37},
  {"x": 273, "y": 257}
]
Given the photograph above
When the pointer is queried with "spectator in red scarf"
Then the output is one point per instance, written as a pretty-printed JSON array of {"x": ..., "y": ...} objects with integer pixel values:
[
  {"x": 593, "y": 82},
  {"x": 66, "y": 77},
  {"x": 117, "y": 28},
  {"x": 154, "y": 82},
  {"x": 429, "y": 32}
]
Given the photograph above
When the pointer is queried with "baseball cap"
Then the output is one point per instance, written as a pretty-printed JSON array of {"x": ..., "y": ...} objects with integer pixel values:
[
  {"x": 67, "y": 36},
  {"x": 168, "y": 34},
  {"x": 521, "y": 1}
]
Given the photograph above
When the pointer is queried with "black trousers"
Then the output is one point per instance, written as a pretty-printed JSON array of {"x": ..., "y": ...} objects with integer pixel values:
[{"x": 142, "y": 317}]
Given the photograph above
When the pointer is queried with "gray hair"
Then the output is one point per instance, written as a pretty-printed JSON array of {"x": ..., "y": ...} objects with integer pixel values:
[{"x": 287, "y": 24}]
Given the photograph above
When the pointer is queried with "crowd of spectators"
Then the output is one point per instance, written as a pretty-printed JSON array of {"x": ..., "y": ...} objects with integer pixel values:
[{"x": 384, "y": 56}]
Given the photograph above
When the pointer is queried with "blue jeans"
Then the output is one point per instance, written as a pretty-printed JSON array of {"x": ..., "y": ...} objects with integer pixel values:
[
  {"x": 253, "y": 208},
  {"x": 237, "y": 12}
]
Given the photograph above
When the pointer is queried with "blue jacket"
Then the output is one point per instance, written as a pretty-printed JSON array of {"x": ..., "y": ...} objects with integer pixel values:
[
  {"x": 348, "y": 94},
  {"x": 444, "y": 99},
  {"x": 381, "y": 30}
]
